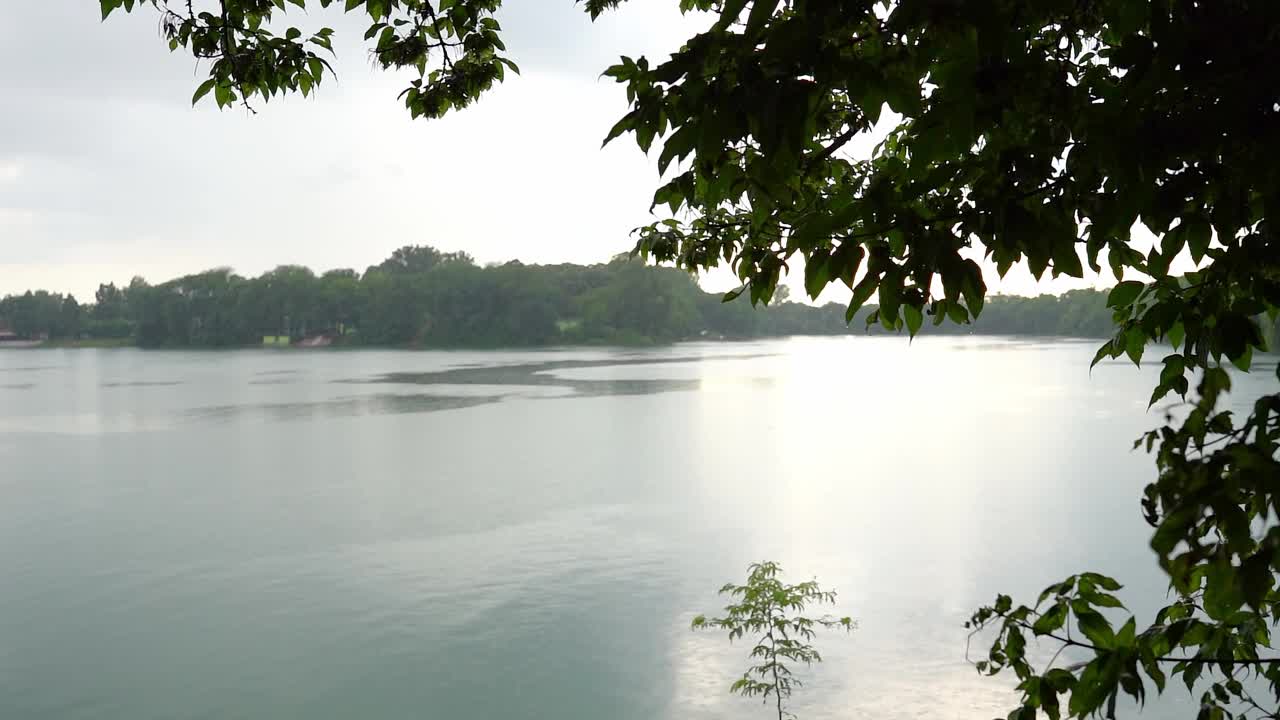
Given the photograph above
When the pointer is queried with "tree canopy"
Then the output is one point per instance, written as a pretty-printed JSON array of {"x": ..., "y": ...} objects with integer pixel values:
[
  {"x": 1036, "y": 132},
  {"x": 422, "y": 297}
]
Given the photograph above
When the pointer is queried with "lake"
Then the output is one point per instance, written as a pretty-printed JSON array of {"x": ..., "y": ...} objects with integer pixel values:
[{"x": 387, "y": 534}]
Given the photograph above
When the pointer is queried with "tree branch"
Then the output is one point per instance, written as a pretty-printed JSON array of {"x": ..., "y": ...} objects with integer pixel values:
[
  {"x": 228, "y": 47},
  {"x": 840, "y": 141},
  {"x": 435, "y": 22},
  {"x": 1195, "y": 660}
]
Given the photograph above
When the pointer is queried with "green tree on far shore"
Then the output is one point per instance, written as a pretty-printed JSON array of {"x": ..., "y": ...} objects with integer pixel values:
[{"x": 445, "y": 300}]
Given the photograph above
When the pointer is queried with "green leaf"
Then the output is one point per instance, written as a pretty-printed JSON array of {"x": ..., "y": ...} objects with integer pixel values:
[
  {"x": 1123, "y": 294},
  {"x": 1103, "y": 581},
  {"x": 890, "y": 296},
  {"x": 1127, "y": 636},
  {"x": 1199, "y": 235},
  {"x": 861, "y": 293},
  {"x": 1135, "y": 342},
  {"x": 1222, "y": 595},
  {"x": 1094, "y": 626},
  {"x": 1106, "y": 351},
  {"x": 222, "y": 94},
  {"x": 1171, "y": 378},
  {"x": 1066, "y": 261},
  {"x": 1088, "y": 692},
  {"x": 677, "y": 146},
  {"x": 815, "y": 275},
  {"x": 914, "y": 318},
  {"x": 1157, "y": 263},
  {"x": 761, "y": 11},
  {"x": 1103, "y": 600},
  {"x": 1051, "y": 620},
  {"x": 817, "y": 228},
  {"x": 1173, "y": 241},
  {"x": 973, "y": 287},
  {"x": 730, "y": 12},
  {"x": 1244, "y": 360},
  {"x": 203, "y": 90},
  {"x": 1061, "y": 680},
  {"x": 623, "y": 125},
  {"x": 1256, "y": 579}
]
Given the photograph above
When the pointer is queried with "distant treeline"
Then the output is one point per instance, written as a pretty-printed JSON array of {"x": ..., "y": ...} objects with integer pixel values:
[{"x": 423, "y": 297}]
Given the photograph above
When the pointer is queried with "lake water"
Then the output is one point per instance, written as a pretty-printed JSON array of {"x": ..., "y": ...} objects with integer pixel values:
[{"x": 375, "y": 534}]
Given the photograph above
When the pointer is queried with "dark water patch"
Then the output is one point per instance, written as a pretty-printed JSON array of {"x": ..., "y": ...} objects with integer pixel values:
[
  {"x": 17, "y": 386},
  {"x": 274, "y": 381},
  {"x": 354, "y": 406},
  {"x": 32, "y": 368},
  {"x": 543, "y": 374},
  {"x": 142, "y": 383},
  {"x": 277, "y": 372},
  {"x": 600, "y": 388}
]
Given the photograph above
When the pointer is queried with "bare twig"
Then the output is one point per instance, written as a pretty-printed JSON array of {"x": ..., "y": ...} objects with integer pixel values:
[{"x": 435, "y": 22}]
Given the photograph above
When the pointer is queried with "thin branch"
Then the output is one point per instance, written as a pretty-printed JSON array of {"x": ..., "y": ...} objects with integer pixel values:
[
  {"x": 1054, "y": 659},
  {"x": 953, "y": 216},
  {"x": 435, "y": 22},
  {"x": 441, "y": 45},
  {"x": 840, "y": 141},
  {"x": 228, "y": 47},
  {"x": 1195, "y": 660},
  {"x": 1266, "y": 714}
]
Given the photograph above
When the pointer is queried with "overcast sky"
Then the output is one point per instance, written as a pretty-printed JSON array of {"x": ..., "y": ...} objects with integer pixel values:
[{"x": 106, "y": 171}]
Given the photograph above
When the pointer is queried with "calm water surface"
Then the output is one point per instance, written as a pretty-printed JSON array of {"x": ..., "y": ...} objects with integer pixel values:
[{"x": 527, "y": 534}]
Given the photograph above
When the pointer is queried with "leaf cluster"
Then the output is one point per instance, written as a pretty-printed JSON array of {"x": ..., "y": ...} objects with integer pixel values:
[
  {"x": 770, "y": 611},
  {"x": 454, "y": 45}
]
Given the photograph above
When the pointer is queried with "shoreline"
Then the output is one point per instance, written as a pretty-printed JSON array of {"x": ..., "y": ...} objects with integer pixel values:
[{"x": 127, "y": 343}]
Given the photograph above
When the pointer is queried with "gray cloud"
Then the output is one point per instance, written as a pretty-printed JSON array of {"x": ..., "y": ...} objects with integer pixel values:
[{"x": 106, "y": 170}]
